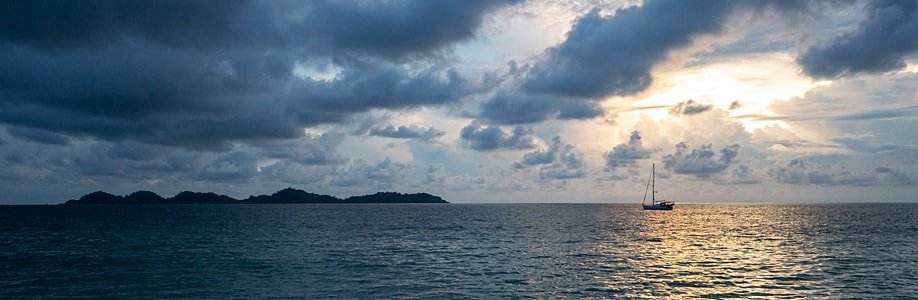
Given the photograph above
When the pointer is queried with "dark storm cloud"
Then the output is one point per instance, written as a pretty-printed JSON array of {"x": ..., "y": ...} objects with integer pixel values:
[
  {"x": 102, "y": 161},
  {"x": 407, "y": 132},
  {"x": 363, "y": 86},
  {"x": 203, "y": 74},
  {"x": 701, "y": 162},
  {"x": 38, "y": 136},
  {"x": 213, "y": 105},
  {"x": 690, "y": 107},
  {"x": 611, "y": 55},
  {"x": 559, "y": 161},
  {"x": 137, "y": 80},
  {"x": 390, "y": 29},
  {"x": 97, "y": 163},
  {"x": 65, "y": 24},
  {"x": 879, "y": 44},
  {"x": 484, "y": 138},
  {"x": 135, "y": 151},
  {"x": 396, "y": 28},
  {"x": 627, "y": 154},
  {"x": 309, "y": 150},
  {"x": 183, "y": 130},
  {"x": 506, "y": 108}
]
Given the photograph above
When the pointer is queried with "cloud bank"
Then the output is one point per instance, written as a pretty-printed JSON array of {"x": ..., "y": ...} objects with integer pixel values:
[
  {"x": 878, "y": 44},
  {"x": 485, "y": 138},
  {"x": 205, "y": 74},
  {"x": 407, "y": 132},
  {"x": 627, "y": 155},
  {"x": 558, "y": 161},
  {"x": 702, "y": 161}
]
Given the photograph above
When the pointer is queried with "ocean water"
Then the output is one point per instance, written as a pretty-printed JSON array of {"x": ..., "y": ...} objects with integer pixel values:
[{"x": 459, "y": 251}]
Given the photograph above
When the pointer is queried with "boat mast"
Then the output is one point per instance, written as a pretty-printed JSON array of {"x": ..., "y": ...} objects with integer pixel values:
[
  {"x": 646, "y": 187},
  {"x": 653, "y": 180}
]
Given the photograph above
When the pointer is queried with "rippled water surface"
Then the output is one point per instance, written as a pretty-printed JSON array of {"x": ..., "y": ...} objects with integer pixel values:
[{"x": 460, "y": 251}]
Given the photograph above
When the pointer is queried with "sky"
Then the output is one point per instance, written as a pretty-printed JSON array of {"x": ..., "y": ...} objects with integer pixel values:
[{"x": 474, "y": 101}]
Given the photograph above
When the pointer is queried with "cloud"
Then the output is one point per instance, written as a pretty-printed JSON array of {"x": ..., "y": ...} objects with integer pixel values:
[
  {"x": 485, "y": 138},
  {"x": 521, "y": 108},
  {"x": 311, "y": 149},
  {"x": 98, "y": 162},
  {"x": 880, "y": 114},
  {"x": 627, "y": 154},
  {"x": 613, "y": 55},
  {"x": 135, "y": 151},
  {"x": 407, "y": 132},
  {"x": 559, "y": 161},
  {"x": 384, "y": 174},
  {"x": 355, "y": 175},
  {"x": 231, "y": 166},
  {"x": 395, "y": 29},
  {"x": 735, "y": 105},
  {"x": 363, "y": 86},
  {"x": 864, "y": 144},
  {"x": 437, "y": 178},
  {"x": 890, "y": 176},
  {"x": 742, "y": 174},
  {"x": 609, "y": 55},
  {"x": 701, "y": 162},
  {"x": 38, "y": 136},
  {"x": 386, "y": 29},
  {"x": 204, "y": 76},
  {"x": 802, "y": 171},
  {"x": 203, "y": 115},
  {"x": 879, "y": 43},
  {"x": 436, "y": 174},
  {"x": 603, "y": 56},
  {"x": 690, "y": 107},
  {"x": 893, "y": 113}
]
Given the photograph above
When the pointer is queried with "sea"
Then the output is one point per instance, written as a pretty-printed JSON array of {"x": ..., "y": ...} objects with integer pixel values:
[{"x": 459, "y": 251}]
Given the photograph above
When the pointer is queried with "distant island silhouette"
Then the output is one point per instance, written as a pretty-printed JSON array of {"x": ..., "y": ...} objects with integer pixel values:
[{"x": 285, "y": 196}]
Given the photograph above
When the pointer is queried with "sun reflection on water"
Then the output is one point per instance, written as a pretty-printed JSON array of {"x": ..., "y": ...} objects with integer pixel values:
[{"x": 722, "y": 253}]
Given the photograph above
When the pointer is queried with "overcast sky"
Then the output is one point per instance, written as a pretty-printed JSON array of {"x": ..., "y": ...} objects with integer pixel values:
[{"x": 475, "y": 101}]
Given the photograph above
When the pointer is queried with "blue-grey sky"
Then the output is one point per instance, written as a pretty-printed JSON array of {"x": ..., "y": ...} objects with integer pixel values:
[{"x": 476, "y": 101}]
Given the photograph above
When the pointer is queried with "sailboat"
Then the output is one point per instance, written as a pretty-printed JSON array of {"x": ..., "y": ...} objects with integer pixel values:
[{"x": 654, "y": 204}]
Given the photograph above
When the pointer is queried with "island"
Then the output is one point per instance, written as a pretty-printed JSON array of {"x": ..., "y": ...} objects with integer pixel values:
[{"x": 285, "y": 196}]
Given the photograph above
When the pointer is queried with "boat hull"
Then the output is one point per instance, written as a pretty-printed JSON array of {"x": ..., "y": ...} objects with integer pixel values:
[{"x": 657, "y": 207}]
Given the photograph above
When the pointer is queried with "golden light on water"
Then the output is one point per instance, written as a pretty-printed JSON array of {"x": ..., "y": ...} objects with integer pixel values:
[{"x": 708, "y": 251}]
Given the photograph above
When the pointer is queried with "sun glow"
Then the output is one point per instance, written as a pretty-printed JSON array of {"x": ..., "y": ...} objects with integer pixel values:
[{"x": 743, "y": 85}]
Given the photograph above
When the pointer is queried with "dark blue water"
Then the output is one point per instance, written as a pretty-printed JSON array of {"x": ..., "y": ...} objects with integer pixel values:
[{"x": 459, "y": 251}]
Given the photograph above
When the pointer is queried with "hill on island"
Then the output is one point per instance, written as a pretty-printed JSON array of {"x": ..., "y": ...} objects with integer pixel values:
[{"x": 285, "y": 196}]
